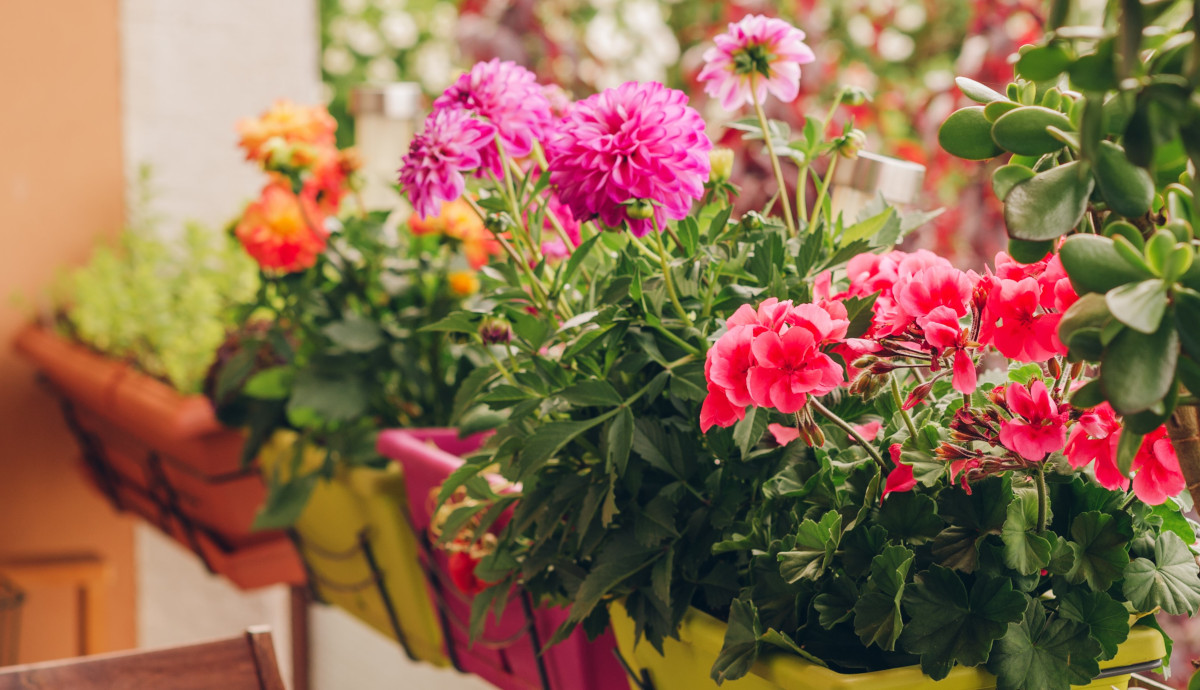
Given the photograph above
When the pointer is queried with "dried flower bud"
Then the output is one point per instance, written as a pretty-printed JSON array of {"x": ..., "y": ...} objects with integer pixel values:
[
  {"x": 882, "y": 367},
  {"x": 494, "y": 330},
  {"x": 721, "y": 161}
]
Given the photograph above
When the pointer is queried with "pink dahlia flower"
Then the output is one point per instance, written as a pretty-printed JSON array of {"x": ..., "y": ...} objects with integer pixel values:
[
  {"x": 1037, "y": 427},
  {"x": 758, "y": 50},
  {"x": 637, "y": 141},
  {"x": 508, "y": 96},
  {"x": 432, "y": 171}
]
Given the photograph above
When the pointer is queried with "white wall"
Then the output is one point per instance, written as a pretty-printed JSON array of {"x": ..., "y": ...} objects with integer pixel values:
[{"x": 191, "y": 69}]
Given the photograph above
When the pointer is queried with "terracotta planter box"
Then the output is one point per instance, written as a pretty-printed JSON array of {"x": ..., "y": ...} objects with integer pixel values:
[
  {"x": 507, "y": 653},
  {"x": 685, "y": 664},
  {"x": 164, "y": 456}
]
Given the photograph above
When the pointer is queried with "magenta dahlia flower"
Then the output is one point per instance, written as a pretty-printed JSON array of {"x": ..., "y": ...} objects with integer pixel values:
[
  {"x": 450, "y": 144},
  {"x": 635, "y": 142},
  {"x": 764, "y": 50},
  {"x": 508, "y": 96}
]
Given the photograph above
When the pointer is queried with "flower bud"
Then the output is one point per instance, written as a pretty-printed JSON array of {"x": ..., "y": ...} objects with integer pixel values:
[
  {"x": 639, "y": 209},
  {"x": 863, "y": 362},
  {"x": 721, "y": 161},
  {"x": 854, "y": 95},
  {"x": 867, "y": 385},
  {"x": 918, "y": 395},
  {"x": 849, "y": 145},
  {"x": 494, "y": 330}
]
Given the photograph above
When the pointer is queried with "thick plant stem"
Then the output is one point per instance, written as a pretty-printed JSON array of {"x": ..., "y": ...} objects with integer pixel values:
[
  {"x": 783, "y": 195},
  {"x": 849, "y": 429},
  {"x": 1184, "y": 429},
  {"x": 1043, "y": 498},
  {"x": 908, "y": 422}
]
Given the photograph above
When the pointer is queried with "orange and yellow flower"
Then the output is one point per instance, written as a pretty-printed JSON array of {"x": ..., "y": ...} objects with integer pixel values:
[
  {"x": 281, "y": 231},
  {"x": 463, "y": 283},
  {"x": 458, "y": 220},
  {"x": 310, "y": 127}
]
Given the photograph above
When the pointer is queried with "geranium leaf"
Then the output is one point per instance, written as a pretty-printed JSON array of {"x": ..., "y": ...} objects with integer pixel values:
[
  {"x": 740, "y": 648},
  {"x": 877, "y": 618},
  {"x": 949, "y": 625},
  {"x": 777, "y": 639},
  {"x": 1099, "y": 542},
  {"x": 815, "y": 544},
  {"x": 1107, "y": 620},
  {"x": 836, "y": 603},
  {"x": 1170, "y": 580},
  {"x": 910, "y": 517},
  {"x": 1024, "y": 551},
  {"x": 1045, "y": 654},
  {"x": 355, "y": 333},
  {"x": 972, "y": 516},
  {"x": 749, "y": 431}
]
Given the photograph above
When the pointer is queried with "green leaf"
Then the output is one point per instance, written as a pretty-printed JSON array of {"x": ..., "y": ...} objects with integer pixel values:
[
  {"x": 1139, "y": 305},
  {"x": 1137, "y": 369},
  {"x": 1099, "y": 542},
  {"x": 458, "y": 322},
  {"x": 739, "y": 651},
  {"x": 617, "y": 563},
  {"x": 1093, "y": 264},
  {"x": 270, "y": 384},
  {"x": 547, "y": 440},
  {"x": 620, "y": 440},
  {"x": 836, "y": 603},
  {"x": 1024, "y": 551},
  {"x": 1023, "y": 130},
  {"x": 949, "y": 625},
  {"x": 1106, "y": 618},
  {"x": 1170, "y": 580},
  {"x": 577, "y": 256},
  {"x": 1029, "y": 252},
  {"x": 977, "y": 92},
  {"x": 1043, "y": 63},
  {"x": 285, "y": 502},
  {"x": 910, "y": 518},
  {"x": 1187, "y": 321},
  {"x": 330, "y": 398},
  {"x": 866, "y": 229},
  {"x": 877, "y": 617},
  {"x": 968, "y": 134},
  {"x": 777, "y": 639},
  {"x": 355, "y": 334},
  {"x": 814, "y": 548},
  {"x": 749, "y": 431},
  {"x": 973, "y": 517},
  {"x": 1126, "y": 188},
  {"x": 1049, "y": 204},
  {"x": 1045, "y": 654},
  {"x": 591, "y": 393}
]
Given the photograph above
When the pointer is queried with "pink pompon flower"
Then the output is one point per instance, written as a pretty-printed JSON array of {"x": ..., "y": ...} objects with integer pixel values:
[
  {"x": 1157, "y": 476},
  {"x": 1094, "y": 440},
  {"x": 1037, "y": 427},
  {"x": 635, "y": 142},
  {"x": 508, "y": 96},
  {"x": 432, "y": 171},
  {"x": 901, "y": 478},
  {"x": 760, "y": 52},
  {"x": 783, "y": 434}
]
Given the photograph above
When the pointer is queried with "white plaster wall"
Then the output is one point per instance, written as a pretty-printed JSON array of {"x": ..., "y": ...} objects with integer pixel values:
[{"x": 191, "y": 70}]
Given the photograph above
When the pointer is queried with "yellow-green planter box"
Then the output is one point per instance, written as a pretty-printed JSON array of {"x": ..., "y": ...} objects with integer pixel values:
[
  {"x": 360, "y": 553},
  {"x": 685, "y": 664}
]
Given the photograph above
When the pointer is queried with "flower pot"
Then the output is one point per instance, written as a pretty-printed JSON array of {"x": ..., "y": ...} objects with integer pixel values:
[
  {"x": 360, "y": 552},
  {"x": 506, "y": 655},
  {"x": 685, "y": 664},
  {"x": 159, "y": 453}
]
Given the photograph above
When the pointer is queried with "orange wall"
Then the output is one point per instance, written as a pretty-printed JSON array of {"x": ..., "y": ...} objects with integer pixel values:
[{"x": 61, "y": 188}]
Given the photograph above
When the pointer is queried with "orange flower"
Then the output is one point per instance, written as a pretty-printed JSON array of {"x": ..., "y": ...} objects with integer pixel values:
[
  {"x": 458, "y": 220},
  {"x": 292, "y": 123},
  {"x": 326, "y": 186},
  {"x": 463, "y": 283},
  {"x": 281, "y": 231}
]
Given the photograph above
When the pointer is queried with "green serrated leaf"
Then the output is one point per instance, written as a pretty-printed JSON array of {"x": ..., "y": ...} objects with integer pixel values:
[
  {"x": 814, "y": 548},
  {"x": 1099, "y": 542},
  {"x": 1170, "y": 581},
  {"x": 1049, "y": 654},
  {"x": 1106, "y": 618}
]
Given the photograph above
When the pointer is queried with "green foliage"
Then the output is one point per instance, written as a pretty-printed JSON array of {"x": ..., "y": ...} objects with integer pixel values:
[{"x": 163, "y": 303}]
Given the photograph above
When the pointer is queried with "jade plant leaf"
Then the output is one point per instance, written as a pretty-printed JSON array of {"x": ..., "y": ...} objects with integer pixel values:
[
  {"x": 815, "y": 544},
  {"x": 1043, "y": 63},
  {"x": 1024, "y": 550},
  {"x": 1139, "y": 305},
  {"x": 968, "y": 134},
  {"x": 1023, "y": 130},
  {"x": 1137, "y": 368},
  {"x": 877, "y": 617},
  {"x": 1169, "y": 581},
  {"x": 1049, "y": 204},
  {"x": 1099, "y": 542},
  {"x": 978, "y": 92},
  {"x": 1093, "y": 264},
  {"x": 1044, "y": 653},
  {"x": 950, "y": 625},
  {"x": 1107, "y": 619},
  {"x": 1008, "y": 176},
  {"x": 1126, "y": 188}
]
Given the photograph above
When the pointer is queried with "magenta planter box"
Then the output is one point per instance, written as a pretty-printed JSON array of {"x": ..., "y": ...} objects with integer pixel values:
[{"x": 506, "y": 655}]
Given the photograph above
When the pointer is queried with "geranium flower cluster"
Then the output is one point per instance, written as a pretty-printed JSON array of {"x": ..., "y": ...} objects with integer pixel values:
[{"x": 929, "y": 315}]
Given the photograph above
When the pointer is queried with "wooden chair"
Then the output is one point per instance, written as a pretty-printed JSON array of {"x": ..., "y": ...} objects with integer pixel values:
[{"x": 245, "y": 662}]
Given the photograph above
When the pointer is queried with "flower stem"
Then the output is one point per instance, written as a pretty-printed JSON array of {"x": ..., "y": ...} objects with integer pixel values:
[
  {"x": 538, "y": 289},
  {"x": 908, "y": 422},
  {"x": 1043, "y": 498},
  {"x": 667, "y": 277},
  {"x": 762, "y": 121},
  {"x": 849, "y": 429},
  {"x": 824, "y": 189}
]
